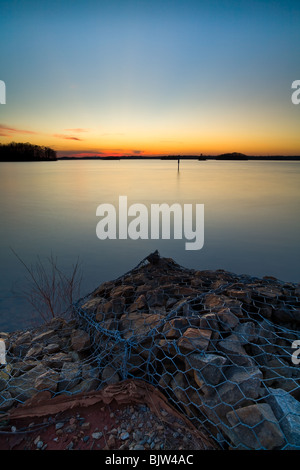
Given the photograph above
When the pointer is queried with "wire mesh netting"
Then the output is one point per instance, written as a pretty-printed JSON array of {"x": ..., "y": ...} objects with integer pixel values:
[{"x": 220, "y": 347}]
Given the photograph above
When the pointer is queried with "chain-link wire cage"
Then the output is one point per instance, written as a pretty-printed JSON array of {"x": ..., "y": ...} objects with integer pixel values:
[{"x": 220, "y": 346}]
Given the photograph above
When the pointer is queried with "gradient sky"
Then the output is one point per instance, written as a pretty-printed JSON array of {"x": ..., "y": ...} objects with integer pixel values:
[{"x": 151, "y": 77}]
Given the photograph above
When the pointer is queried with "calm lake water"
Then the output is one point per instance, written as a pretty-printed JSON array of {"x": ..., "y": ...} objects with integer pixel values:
[{"x": 252, "y": 220}]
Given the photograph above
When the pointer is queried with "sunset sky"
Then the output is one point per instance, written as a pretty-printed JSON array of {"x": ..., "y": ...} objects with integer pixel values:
[{"x": 115, "y": 77}]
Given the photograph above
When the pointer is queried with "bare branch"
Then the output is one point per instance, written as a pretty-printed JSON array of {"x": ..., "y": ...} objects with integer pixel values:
[{"x": 50, "y": 291}]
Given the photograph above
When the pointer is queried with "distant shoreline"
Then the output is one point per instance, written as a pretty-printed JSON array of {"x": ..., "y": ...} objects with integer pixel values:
[{"x": 189, "y": 157}]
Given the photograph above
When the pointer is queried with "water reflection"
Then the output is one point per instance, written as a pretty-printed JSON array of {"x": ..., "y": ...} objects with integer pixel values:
[{"x": 251, "y": 218}]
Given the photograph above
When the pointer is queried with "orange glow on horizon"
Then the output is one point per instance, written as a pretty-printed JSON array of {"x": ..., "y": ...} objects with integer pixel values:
[{"x": 192, "y": 143}]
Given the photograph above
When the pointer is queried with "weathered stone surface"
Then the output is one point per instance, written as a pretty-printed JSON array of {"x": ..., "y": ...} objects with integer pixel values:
[
  {"x": 23, "y": 338},
  {"x": 183, "y": 307},
  {"x": 169, "y": 346},
  {"x": 268, "y": 292},
  {"x": 110, "y": 375},
  {"x": 93, "y": 304},
  {"x": 276, "y": 371},
  {"x": 209, "y": 367},
  {"x": 52, "y": 348},
  {"x": 179, "y": 387},
  {"x": 112, "y": 307},
  {"x": 156, "y": 298},
  {"x": 123, "y": 291},
  {"x": 22, "y": 366},
  {"x": 241, "y": 383},
  {"x": 69, "y": 376},
  {"x": 104, "y": 289},
  {"x": 23, "y": 387},
  {"x": 47, "y": 381},
  {"x": 139, "y": 304},
  {"x": 239, "y": 387},
  {"x": 194, "y": 339},
  {"x": 80, "y": 340},
  {"x": 6, "y": 401},
  {"x": 174, "y": 327},
  {"x": 214, "y": 301},
  {"x": 255, "y": 427},
  {"x": 287, "y": 411},
  {"x": 89, "y": 379},
  {"x": 232, "y": 347},
  {"x": 240, "y": 294},
  {"x": 42, "y": 337},
  {"x": 3, "y": 384},
  {"x": 246, "y": 332},
  {"x": 139, "y": 324},
  {"x": 209, "y": 321},
  {"x": 286, "y": 314},
  {"x": 266, "y": 336},
  {"x": 226, "y": 319},
  {"x": 35, "y": 351},
  {"x": 20, "y": 350},
  {"x": 56, "y": 361}
]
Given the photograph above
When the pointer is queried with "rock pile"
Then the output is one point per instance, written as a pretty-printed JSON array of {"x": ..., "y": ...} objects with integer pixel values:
[
  {"x": 219, "y": 345},
  {"x": 52, "y": 357}
]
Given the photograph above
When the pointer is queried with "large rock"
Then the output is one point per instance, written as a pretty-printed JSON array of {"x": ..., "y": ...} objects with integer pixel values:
[
  {"x": 6, "y": 401},
  {"x": 194, "y": 339},
  {"x": 89, "y": 379},
  {"x": 23, "y": 387},
  {"x": 47, "y": 381},
  {"x": 214, "y": 301},
  {"x": 42, "y": 337},
  {"x": 246, "y": 332},
  {"x": 70, "y": 376},
  {"x": 208, "y": 367},
  {"x": 287, "y": 410},
  {"x": 240, "y": 386},
  {"x": 80, "y": 340},
  {"x": 255, "y": 427},
  {"x": 226, "y": 319},
  {"x": 110, "y": 375},
  {"x": 139, "y": 324},
  {"x": 174, "y": 327},
  {"x": 233, "y": 349}
]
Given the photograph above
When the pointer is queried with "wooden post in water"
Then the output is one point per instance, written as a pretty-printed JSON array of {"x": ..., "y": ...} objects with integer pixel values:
[{"x": 178, "y": 163}]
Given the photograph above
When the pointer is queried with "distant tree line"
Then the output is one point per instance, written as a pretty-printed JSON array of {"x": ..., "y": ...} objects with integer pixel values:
[{"x": 25, "y": 152}]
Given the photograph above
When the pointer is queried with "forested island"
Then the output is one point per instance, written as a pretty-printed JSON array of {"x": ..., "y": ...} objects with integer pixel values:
[{"x": 26, "y": 152}]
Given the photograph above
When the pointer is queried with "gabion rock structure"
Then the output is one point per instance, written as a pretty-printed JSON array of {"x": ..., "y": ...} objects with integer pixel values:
[{"x": 220, "y": 346}]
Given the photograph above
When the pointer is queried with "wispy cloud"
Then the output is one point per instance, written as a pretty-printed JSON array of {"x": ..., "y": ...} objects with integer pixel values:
[
  {"x": 77, "y": 130},
  {"x": 68, "y": 137},
  {"x": 7, "y": 130}
]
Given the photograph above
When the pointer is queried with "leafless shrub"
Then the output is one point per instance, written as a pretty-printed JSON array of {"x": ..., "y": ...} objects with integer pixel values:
[{"x": 50, "y": 291}]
